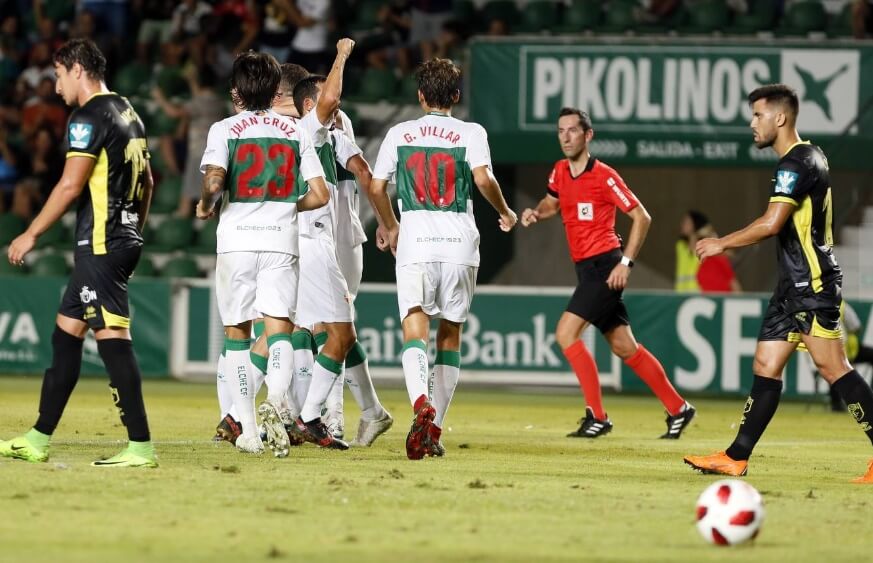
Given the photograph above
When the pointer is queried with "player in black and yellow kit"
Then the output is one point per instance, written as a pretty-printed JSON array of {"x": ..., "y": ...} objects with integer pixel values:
[
  {"x": 805, "y": 308},
  {"x": 107, "y": 168}
]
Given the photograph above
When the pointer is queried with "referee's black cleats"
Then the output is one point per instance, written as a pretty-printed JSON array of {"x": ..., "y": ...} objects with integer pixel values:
[
  {"x": 591, "y": 427},
  {"x": 677, "y": 423}
]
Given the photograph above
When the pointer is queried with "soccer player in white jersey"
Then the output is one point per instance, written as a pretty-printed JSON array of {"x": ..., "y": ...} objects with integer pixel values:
[
  {"x": 375, "y": 420},
  {"x": 259, "y": 160},
  {"x": 435, "y": 160},
  {"x": 324, "y": 295}
]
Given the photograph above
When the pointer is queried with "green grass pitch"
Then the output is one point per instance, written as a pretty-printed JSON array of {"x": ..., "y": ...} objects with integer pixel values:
[{"x": 511, "y": 488}]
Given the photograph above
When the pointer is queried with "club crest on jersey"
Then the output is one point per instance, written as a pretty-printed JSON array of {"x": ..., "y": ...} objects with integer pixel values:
[
  {"x": 585, "y": 211},
  {"x": 80, "y": 135},
  {"x": 785, "y": 181}
]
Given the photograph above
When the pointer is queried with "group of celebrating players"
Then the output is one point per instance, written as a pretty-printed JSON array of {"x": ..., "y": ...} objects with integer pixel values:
[{"x": 289, "y": 259}]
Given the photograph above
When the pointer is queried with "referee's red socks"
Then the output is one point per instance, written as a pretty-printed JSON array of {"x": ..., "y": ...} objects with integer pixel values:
[
  {"x": 650, "y": 370},
  {"x": 586, "y": 372}
]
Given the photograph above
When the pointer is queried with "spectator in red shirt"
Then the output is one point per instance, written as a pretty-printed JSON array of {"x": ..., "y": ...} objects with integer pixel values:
[
  {"x": 586, "y": 192},
  {"x": 715, "y": 275}
]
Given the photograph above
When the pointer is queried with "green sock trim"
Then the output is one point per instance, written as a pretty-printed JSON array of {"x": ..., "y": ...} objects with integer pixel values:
[
  {"x": 259, "y": 361},
  {"x": 320, "y": 339},
  {"x": 142, "y": 449},
  {"x": 233, "y": 345},
  {"x": 259, "y": 328},
  {"x": 414, "y": 344},
  {"x": 37, "y": 439},
  {"x": 356, "y": 355},
  {"x": 278, "y": 337},
  {"x": 448, "y": 358},
  {"x": 329, "y": 364},
  {"x": 301, "y": 340}
]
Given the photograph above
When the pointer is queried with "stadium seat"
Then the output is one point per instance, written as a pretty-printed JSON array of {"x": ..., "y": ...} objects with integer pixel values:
[
  {"x": 175, "y": 233},
  {"x": 803, "y": 17},
  {"x": 367, "y": 17},
  {"x": 708, "y": 16},
  {"x": 505, "y": 10},
  {"x": 205, "y": 239},
  {"x": 377, "y": 85},
  {"x": 760, "y": 16},
  {"x": 408, "y": 92},
  {"x": 10, "y": 227},
  {"x": 167, "y": 194},
  {"x": 7, "y": 269},
  {"x": 841, "y": 25},
  {"x": 132, "y": 79},
  {"x": 180, "y": 267},
  {"x": 172, "y": 83},
  {"x": 465, "y": 11},
  {"x": 146, "y": 268},
  {"x": 539, "y": 16},
  {"x": 54, "y": 237},
  {"x": 49, "y": 265},
  {"x": 581, "y": 15},
  {"x": 619, "y": 17}
]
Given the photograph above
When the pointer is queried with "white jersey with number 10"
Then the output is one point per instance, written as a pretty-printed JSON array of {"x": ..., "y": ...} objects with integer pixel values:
[{"x": 432, "y": 159}]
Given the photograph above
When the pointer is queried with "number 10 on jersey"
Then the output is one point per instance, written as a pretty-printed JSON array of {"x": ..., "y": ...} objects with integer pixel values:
[{"x": 434, "y": 179}]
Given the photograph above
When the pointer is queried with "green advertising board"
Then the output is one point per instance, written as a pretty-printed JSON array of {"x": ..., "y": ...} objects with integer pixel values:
[
  {"x": 705, "y": 342},
  {"x": 668, "y": 102},
  {"x": 29, "y": 305}
]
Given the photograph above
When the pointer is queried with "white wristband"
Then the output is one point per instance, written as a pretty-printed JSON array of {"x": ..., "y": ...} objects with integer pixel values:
[{"x": 625, "y": 261}]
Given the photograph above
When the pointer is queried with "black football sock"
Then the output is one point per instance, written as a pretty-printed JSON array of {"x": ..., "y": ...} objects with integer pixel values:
[
  {"x": 859, "y": 400},
  {"x": 126, "y": 384},
  {"x": 759, "y": 410},
  {"x": 60, "y": 379}
]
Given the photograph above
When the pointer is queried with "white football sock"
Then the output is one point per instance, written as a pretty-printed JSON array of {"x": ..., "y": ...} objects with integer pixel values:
[
  {"x": 414, "y": 359},
  {"x": 446, "y": 372},
  {"x": 225, "y": 396},
  {"x": 324, "y": 374},
  {"x": 361, "y": 384},
  {"x": 301, "y": 342},
  {"x": 279, "y": 365},
  {"x": 237, "y": 366}
]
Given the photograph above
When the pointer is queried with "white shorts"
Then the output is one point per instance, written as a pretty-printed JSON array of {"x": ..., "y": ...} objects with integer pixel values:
[
  {"x": 249, "y": 285},
  {"x": 323, "y": 296},
  {"x": 441, "y": 289},
  {"x": 351, "y": 263}
]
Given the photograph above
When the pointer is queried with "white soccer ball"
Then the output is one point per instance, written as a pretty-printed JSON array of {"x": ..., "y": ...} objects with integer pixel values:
[{"x": 729, "y": 512}]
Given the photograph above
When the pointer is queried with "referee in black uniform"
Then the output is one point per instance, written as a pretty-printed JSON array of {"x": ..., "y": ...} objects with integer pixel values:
[
  {"x": 805, "y": 308},
  {"x": 107, "y": 169}
]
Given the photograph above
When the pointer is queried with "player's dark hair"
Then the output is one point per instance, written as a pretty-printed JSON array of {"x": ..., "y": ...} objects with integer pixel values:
[
  {"x": 584, "y": 118},
  {"x": 777, "y": 93},
  {"x": 291, "y": 75},
  {"x": 307, "y": 89},
  {"x": 439, "y": 81},
  {"x": 84, "y": 52},
  {"x": 254, "y": 80}
]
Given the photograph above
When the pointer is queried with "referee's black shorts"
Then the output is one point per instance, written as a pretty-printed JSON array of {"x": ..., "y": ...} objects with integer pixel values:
[
  {"x": 97, "y": 290},
  {"x": 593, "y": 300}
]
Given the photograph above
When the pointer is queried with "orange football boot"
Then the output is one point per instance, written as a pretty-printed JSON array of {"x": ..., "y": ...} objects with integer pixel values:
[
  {"x": 866, "y": 478},
  {"x": 718, "y": 463}
]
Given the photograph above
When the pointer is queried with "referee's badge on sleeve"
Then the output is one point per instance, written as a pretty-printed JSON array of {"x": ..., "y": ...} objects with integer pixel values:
[
  {"x": 80, "y": 135},
  {"x": 585, "y": 211}
]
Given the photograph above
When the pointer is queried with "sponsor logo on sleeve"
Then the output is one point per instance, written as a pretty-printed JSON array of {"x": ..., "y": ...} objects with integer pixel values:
[
  {"x": 80, "y": 135},
  {"x": 785, "y": 181}
]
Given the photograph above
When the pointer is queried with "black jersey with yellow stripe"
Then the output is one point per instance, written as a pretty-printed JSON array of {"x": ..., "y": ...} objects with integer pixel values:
[
  {"x": 809, "y": 277},
  {"x": 107, "y": 129}
]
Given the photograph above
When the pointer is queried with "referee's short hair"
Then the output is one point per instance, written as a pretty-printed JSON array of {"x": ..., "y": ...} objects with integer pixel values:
[
  {"x": 584, "y": 118},
  {"x": 254, "y": 80},
  {"x": 777, "y": 93},
  {"x": 84, "y": 52}
]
